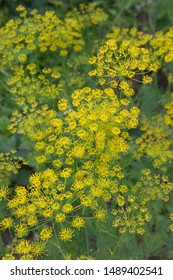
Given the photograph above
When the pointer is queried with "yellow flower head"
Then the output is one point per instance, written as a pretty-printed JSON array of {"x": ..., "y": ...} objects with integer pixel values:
[
  {"x": 62, "y": 105},
  {"x": 46, "y": 233},
  {"x": 78, "y": 222},
  {"x": 66, "y": 234}
]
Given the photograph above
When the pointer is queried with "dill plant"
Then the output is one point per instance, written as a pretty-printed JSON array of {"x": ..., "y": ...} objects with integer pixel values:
[{"x": 84, "y": 152}]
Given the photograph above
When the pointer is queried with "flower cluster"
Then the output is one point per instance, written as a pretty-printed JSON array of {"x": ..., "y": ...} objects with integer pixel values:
[
  {"x": 126, "y": 58},
  {"x": 23, "y": 41},
  {"x": 10, "y": 164},
  {"x": 156, "y": 141},
  {"x": 82, "y": 145}
]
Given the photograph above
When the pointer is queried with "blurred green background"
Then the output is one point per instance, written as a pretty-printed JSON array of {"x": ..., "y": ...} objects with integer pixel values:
[{"x": 146, "y": 15}]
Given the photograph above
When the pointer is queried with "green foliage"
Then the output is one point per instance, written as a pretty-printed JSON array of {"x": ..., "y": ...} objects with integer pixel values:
[{"x": 86, "y": 123}]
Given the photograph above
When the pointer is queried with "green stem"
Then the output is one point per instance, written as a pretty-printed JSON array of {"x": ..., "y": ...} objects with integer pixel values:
[
  {"x": 4, "y": 86},
  {"x": 116, "y": 246},
  {"x": 57, "y": 239},
  {"x": 156, "y": 87},
  {"x": 64, "y": 67},
  {"x": 86, "y": 233},
  {"x": 6, "y": 74},
  {"x": 86, "y": 238}
]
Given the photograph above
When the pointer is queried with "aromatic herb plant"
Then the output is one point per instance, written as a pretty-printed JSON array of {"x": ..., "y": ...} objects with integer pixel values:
[{"x": 90, "y": 133}]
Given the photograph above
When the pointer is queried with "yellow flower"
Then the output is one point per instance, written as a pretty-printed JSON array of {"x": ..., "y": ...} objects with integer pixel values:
[
  {"x": 60, "y": 217},
  {"x": 120, "y": 200},
  {"x": 37, "y": 248},
  {"x": 41, "y": 159},
  {"x": 47, "y": 213},
  {"x": 63, "y": 53},
  {"x": 62, "y": 105},
  {"x": 45, "y": 233},
  {"x": 101, "y": 214},
  {"x": 6, "y": 223},
  {"x": 8, "y": 257},
  {"x": 78, "y": 222},
  {"x": 20, "y": 8},
  {"x": 56, "y": 74},
  {"x": 171, "y": 227},
  {"x": 21, "y": 230},
  {"x": 4, "y": 191},
  {"x": 92, "y": 60},
  {"x": 78, "y": 151},
  {"x": 22, "y": 58},
  {"x": 66, "y": 172},
  {"x": 23, "y": 247},
  {"x": 116, "y": 131},
  {"x": 147, "y": 80},
  {"x": 66, "y": 234},
  {"x": 140, "y": 231},
  {"x": 67, "y": 208}
]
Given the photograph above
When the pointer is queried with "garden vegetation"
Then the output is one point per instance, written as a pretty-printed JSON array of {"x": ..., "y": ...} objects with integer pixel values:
[{"x": 86, "y": 159}]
